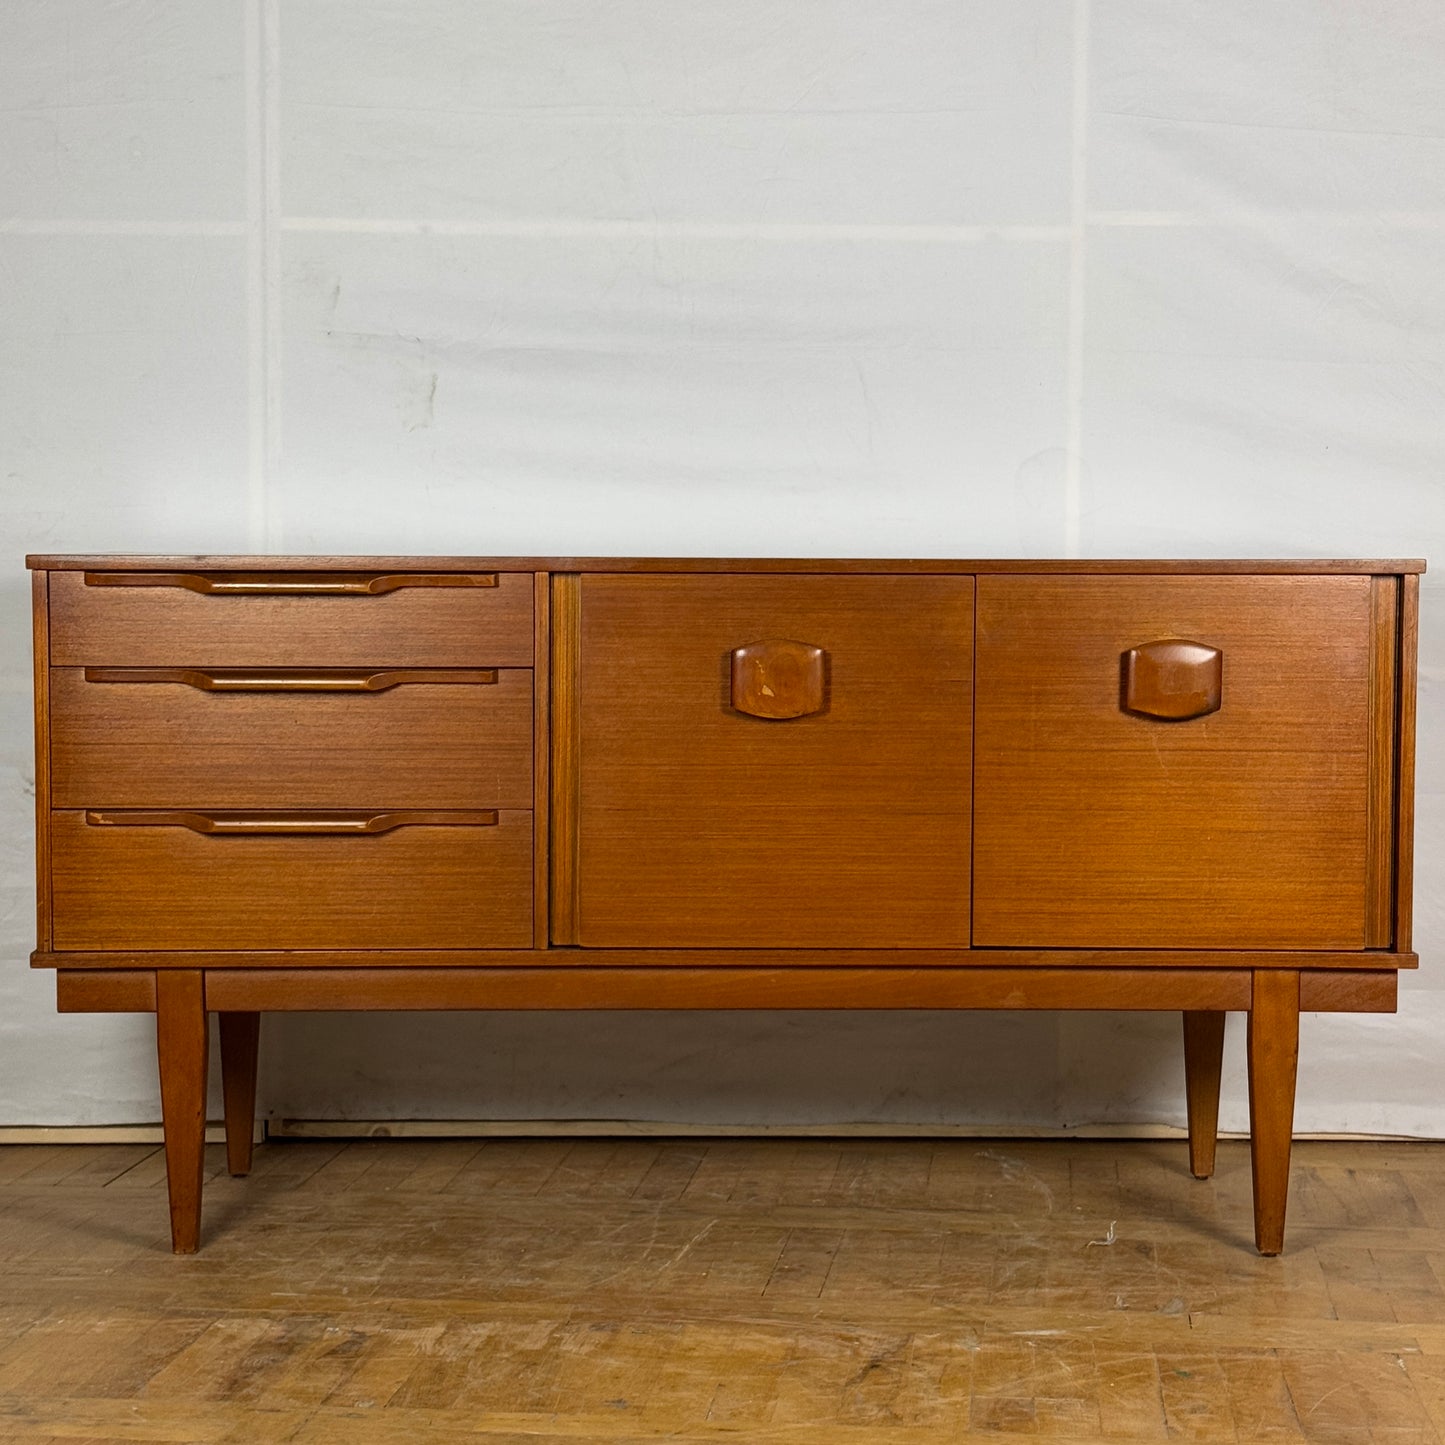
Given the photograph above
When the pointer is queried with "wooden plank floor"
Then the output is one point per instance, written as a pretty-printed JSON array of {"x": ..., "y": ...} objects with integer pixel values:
[{"x": 800, "y": 1291}]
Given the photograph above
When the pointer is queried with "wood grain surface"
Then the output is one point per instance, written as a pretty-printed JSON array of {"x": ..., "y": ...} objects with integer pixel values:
[
  {"x": 182, "y": 1050},
  {"x": 1203, "y": 1061},
  {"x": 240, "y": 1036},
  {"x": 773, "y": 1292},
  {"x": 40, "y": 656},
  {"x": 724, "y": 988},
  {"x": 402, "y": 984},
  {"x": 850, "y": 566},
  {"x": 1244, "y": 829},
  {"x": 1325, "y": 990},
  {"x": 699, "y": 826},
  {"x": 1273, "y": 1052},
  {"x": 168, "y": 745},
  {"x": 172, "y": 627},
  {"x": 541, "y": 756},
  {"x": 171, "y": 888},
  {"x": 1135, "y": 961},
  {"x": 565, "y": 756},
  {"x": 87, "y": 990},
  {"x": 1385, "y": 605},
  {"x": 1405, "y": 762}
]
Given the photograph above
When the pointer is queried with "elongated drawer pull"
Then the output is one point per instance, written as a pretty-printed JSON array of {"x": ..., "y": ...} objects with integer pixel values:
[
  {"x": 294, "y": 679},
  {"x": 1173, "y": 680},
  {"x": 290, "y": 584},
  {"x": 269, "y": 824}
]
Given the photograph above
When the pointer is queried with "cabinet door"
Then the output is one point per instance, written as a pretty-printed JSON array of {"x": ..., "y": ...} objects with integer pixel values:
[
  {"x": 1165, "y": 820},
  {"x": 813, "y": 794}
]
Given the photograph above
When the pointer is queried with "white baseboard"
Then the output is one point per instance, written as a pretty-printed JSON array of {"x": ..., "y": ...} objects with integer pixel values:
[
  {"x": 103, "y": 1134},
  {"x": 614, "y": 1129},
  {"x": 672, "y": 1129}
]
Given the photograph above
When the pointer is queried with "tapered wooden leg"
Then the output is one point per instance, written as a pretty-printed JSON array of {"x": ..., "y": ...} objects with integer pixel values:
[
  {"x": 240, "y": 1036},
  {"x": 182, "y": 1040},
  {"x": 1203, "y": 1060},
  {"x": 1273, "y": 1060}
]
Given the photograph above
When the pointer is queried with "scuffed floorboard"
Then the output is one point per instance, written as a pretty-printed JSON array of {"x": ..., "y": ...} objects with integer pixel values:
[{"x": 768, "y": 1291}]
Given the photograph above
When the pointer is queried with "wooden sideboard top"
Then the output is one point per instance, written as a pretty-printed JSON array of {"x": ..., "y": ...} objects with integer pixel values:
[{"x": 260, "y": 562}]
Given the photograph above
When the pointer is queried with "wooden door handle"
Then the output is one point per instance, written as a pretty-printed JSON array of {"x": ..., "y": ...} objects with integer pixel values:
[
  {"x": 778, "y": 678},
  {"x": 290, "y": 584},
  {"x": 270, "y": 824},
  {"x": 294, "y": 679},
  {"x": 1173, "y": 680}
]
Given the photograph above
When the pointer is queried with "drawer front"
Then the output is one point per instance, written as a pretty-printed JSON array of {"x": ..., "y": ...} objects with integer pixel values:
[
  {"x": 773, "y": 761},
  {"x": 123, "y": 738},
  {"x": 108, "y": 621},
  {"x": 171, "y": 888},
  {"x": 1179, "y": 823}
]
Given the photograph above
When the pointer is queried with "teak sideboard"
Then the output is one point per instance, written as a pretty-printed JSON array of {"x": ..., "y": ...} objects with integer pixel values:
[{"x": 534, "y": 783}]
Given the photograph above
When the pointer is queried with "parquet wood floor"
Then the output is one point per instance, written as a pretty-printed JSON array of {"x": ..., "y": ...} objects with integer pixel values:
[{"x": 765, "y": 1291}]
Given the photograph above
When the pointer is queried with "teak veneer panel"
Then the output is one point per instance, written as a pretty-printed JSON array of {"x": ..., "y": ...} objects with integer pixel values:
[
  {"x": 403, "y": 985},
  {"x": 833, "y": 566},
  {"x": 40, "y": 636},
  {"x": 1139, "y": 961},
  {"x": 541, "y": 759},
  {"x": 1247, "y": 828},
  {"x": 1405, "y": 761},
  {"x": 168, "y": 745},
  {"x": 728, "y": 988},
  {"x": 1383, "y": 743},
  {"x": 174, "y": 627},
  {"x": 564, "y": 756},
  {"x": 1322, "y": 991},
  {"x": 85, "y": 990},
  {"x": 169, "y": 888},
  {"x": 700, "y": 826}
]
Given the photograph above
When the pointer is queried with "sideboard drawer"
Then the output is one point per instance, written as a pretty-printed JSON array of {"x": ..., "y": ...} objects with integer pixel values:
[
  {"x": 119, "y": 885},
  {"x": 278, "y": 619},
  {"x": 178, "y": 738},
  {"x": 1227, "y": 808}
]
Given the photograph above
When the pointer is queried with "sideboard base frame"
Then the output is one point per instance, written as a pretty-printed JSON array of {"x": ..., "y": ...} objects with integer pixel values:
[{"x": 1273, "y": 997}]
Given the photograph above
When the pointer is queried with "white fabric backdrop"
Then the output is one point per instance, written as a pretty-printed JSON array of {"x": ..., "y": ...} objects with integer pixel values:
[{"x": 833, "y": 277}]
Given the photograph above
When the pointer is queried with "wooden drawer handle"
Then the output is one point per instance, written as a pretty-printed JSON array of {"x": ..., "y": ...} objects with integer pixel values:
[
  {"x": 290, "y": 584},
  {"x": 293, "y": 679},
  {"x": 269, "y": 824},
  {"x": 778, "y": 679},
  {"x": 1173, "y": 680}
]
